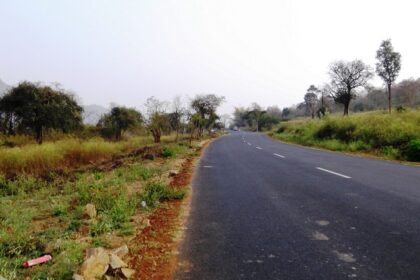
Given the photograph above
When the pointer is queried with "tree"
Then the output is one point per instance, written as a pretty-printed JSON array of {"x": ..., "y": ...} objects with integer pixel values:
[
  {"x": 311, "y": 99},
  {"x": 388, "y": 66},
  {"x": 157, "y": 119},
  {"x": 254, "y": 115},
  {"x": 33, "y": 108},
  {"x": 176, "y": 115},
  {"x": 346, "y": 77},
  {"x": 205, "y": 106},
  {"x": 119, "y": 120}
]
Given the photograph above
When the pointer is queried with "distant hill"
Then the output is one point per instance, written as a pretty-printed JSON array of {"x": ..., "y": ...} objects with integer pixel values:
[
  {"x": 92, "y": 113},
  {"x": 3, "y": 87}
]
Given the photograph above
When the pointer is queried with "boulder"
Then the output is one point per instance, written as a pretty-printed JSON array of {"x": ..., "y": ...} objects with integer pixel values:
[
  {"x": 116, "y": 262},
  {"x": 96, "y": 264},
  {"x": 90, "y": 211},
  {"x": 121, "y": 251},
  {"x": 128, "y": 272},
  {"x": 75, "y": 277}
]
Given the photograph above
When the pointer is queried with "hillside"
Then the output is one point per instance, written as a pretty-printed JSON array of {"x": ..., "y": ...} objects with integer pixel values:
[{"x": 92, "y": 113}]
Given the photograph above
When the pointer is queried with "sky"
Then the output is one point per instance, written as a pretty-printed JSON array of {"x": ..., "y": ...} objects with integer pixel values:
[{"x": 265, "y": 51}]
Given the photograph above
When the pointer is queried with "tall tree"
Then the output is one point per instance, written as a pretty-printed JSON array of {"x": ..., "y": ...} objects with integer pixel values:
[
  {"x": 119, "y": 120},
  {"x": 388, "y": 66},
  {"x": 311, "y": 99},
  {"x": 346, "y": 77},
  {"x": 255, "y": 114},
  {"x": 34, "y": 108}
]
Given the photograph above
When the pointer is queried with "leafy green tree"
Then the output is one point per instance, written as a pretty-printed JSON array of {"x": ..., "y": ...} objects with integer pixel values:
[
  {"x": 32, "y": 108},
  {"x": 119, "y": 120},
  {"x": 205, "y": 106},
  {"x": 388, "y": 66}
]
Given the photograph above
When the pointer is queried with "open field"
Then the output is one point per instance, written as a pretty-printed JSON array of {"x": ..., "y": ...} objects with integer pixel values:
[
  {"x": 45, "y": 190},
  {"x": 395, "y": 136}
]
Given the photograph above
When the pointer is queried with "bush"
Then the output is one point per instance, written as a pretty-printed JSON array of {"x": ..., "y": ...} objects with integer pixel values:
[
  {"x": 168, "y": 152},
  {"x": 412, "y": 151},
  {"x": 156, "y": 192}
]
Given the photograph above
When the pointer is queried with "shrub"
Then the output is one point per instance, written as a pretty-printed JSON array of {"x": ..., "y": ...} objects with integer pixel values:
[
  {"x": 412, "y": 151},
  {"x": 168, "y": 152},
  {"x": 156, "y": 192}
]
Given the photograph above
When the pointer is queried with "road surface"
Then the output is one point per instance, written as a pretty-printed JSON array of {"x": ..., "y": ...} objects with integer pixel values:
[{"x": 263, "y": 209}]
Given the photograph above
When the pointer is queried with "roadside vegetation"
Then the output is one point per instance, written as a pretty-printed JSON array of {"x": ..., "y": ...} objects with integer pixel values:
[
  {"x": 380, "y": 121},
  {"x": 395, "y": 136},
  {"x": 66, "y": 187}
]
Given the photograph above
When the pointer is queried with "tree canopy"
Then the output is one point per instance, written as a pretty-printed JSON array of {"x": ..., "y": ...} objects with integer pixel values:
[{"x": 33, "y": 108}]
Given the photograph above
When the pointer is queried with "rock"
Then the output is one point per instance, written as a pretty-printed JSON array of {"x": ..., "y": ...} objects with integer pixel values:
[
  {"x": 116, "y": 262},
  {"x": 75, "y": 277},
  {"x": 96, "y": 265},
  {"x": 143, "y": 204},
  {"x": 173, "y": 173},
  {"x": 128, "y": 272},
  {"x": 2, "y": 278},
  {"x": 90, "y": 211},
  {"x": 121, "y": 251},
  {"x": 94, "y": 251}
]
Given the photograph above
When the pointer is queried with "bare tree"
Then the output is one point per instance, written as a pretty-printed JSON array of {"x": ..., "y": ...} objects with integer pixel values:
[
  {"x": 388, "y": 66},
  {"x": 156, "y": 117},
  {"x": 311, "y": 99},
  {"x": 346, "y": 77}
]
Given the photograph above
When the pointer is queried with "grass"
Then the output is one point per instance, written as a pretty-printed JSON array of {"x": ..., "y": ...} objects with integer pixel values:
[
  {"x": 395, "y": 136},
  {"x": 38, "y": 213},
  {"x": 66, "y": 154}
]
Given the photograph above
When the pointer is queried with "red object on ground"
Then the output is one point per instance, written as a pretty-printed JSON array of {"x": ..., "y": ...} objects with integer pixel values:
[{"x": 36, "y": 261}]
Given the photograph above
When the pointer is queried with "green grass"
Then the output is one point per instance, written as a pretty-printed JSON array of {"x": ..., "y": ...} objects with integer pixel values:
[
  {"x": 394, "y": 136},
  {"x": 36, "y": 212}
]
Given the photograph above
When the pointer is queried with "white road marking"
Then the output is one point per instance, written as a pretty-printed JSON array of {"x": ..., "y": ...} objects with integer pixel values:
[
  {"x": 335, "y": 173},
  {"x": 208, "y": 166},
  {"x": 249, "y": 143},
  {"x": 277, "y": 155},
  {"x": 259, "y": 148}
]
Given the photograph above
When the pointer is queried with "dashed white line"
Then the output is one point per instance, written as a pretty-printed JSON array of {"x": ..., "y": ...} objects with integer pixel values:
[
  {"x": 259, "y": 148},
  {"x": 249, "y": 144},
  {"x": 277, "y": 155},
  {"x": 208, "y": 166},
  {"x": 332, "y": 172}
]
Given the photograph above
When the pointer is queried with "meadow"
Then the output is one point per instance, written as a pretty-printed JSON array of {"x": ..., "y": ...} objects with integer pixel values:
[
  {"x": 395, "y": 136},
  {"x": 45, "y": 190}
]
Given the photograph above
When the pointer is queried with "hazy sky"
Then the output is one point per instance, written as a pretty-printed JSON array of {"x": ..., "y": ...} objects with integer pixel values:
[{"x": 261, "y": 51}]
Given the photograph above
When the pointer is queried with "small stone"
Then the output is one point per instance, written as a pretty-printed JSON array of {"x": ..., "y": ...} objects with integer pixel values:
[
  {"x": 173, "y": 173},
  {"x": 96, "y": 265},
  {"x": 90, "y": 210},
  {"x": 128, "y": 272},
  {"x": 75, "y": 277},
  {"x": 52, "y": 246},
  {"x": 116, "y": 262},
  {"x": 121, "y": 251},
  {"x": 143, "y": 204}
]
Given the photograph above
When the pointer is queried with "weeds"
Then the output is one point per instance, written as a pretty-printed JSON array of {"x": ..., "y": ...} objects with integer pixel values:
[{"x": 389, "y": 135}]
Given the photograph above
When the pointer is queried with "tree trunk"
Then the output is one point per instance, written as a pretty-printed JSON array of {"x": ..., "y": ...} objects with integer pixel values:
[
  {"x": 38, "y": 136},
  {"x": 389, "y": 98},
  {"x": 346, "y": 108}
]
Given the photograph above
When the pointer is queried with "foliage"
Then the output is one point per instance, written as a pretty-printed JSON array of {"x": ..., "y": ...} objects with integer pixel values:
[
  {"x": 117, "y": 121},
  {"x": 395, "y": 137},
  {"x": 388, "y": 66},
  {"x": 156, "y": 192},
  {"x": 33, "y": 108}
]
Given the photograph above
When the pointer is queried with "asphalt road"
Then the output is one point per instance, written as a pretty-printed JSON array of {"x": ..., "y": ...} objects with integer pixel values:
[{"x": 262, "y": 209}]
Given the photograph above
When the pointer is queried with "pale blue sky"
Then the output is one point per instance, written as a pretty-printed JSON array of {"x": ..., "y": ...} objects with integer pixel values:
[{"x": 265, "y": 51}]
